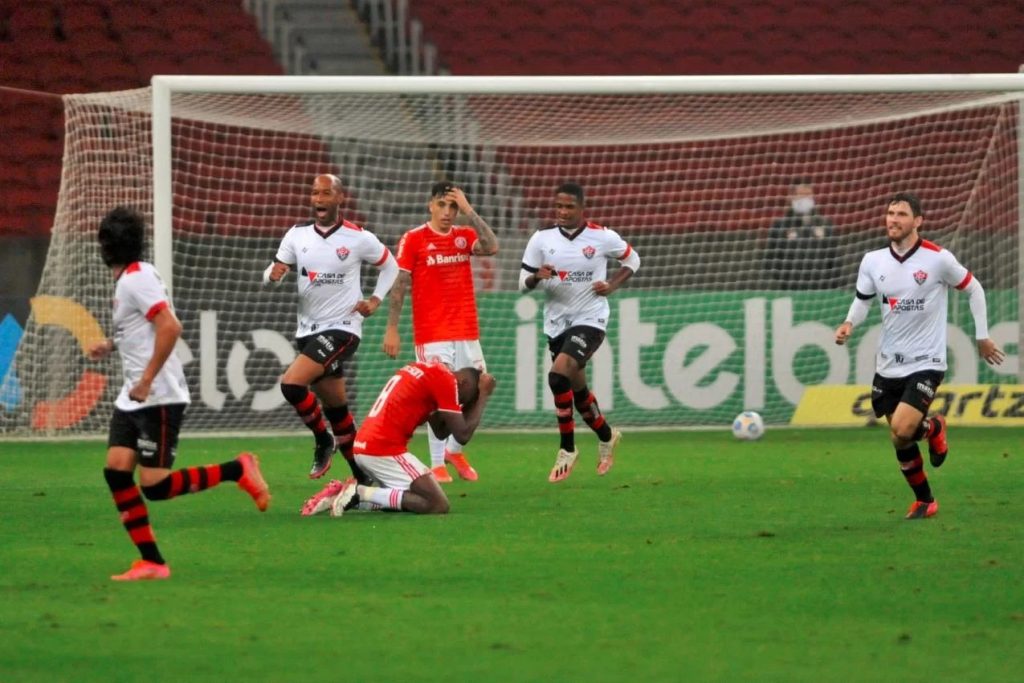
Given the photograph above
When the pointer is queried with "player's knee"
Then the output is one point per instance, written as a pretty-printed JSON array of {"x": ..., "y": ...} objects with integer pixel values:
[
  {"x": 439, "y": 506},
  {"x": 559, "y": 383},
  {"x": 293, "y": 393},
  {"x": 901, "y": 435}
]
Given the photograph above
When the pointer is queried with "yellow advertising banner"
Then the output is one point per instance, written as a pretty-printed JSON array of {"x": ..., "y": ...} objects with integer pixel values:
[{"x": 980, "y": 405}]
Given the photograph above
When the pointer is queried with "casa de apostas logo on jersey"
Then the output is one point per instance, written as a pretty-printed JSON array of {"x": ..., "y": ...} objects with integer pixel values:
[
  {"x": 342, "y": 253},
  {"x": 920, "y": 276},
  {"x": 589, "y": 251}
]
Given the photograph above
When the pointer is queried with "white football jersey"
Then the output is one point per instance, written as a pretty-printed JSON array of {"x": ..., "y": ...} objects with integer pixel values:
[
  {"x": 138, "y": 296},
  {"x": 912, "y": 291},
  {"x": 579, "y": 262},
  {"x": 327, "y": 265}
]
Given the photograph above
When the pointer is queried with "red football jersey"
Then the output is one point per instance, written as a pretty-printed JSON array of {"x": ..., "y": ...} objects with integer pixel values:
[
  {"x": 405, "y": 402},
  {"x": 443, "y": 302}
]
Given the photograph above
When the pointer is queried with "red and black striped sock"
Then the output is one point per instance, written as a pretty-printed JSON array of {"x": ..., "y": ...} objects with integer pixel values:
[
  {"x": 586, "y": 404},
  {"x": 307, "y": 406},
  {"x": 344, "y": 428},
  {"x": 193, "y": 480},
  {"x": 912, "y": 466},
  {"x": 134, "y": 514},
  {"x": 561, "y": 389}
]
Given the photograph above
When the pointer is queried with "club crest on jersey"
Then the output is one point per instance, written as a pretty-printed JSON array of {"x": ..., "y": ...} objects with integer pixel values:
[
  {"x": 589, "y": 251},
  {"x": 920, "y": 276},
  {"x": 342, "y": 253},
  {"x": 460, "y": 242}
]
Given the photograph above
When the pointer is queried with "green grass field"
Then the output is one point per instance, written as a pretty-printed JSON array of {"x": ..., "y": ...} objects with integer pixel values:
[{"x": 698, "y": 558}]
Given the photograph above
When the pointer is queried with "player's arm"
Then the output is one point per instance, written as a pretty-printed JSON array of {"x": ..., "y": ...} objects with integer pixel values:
[
  {"x": 282, "y": 263},
  {"x": 487, "y": 242},
  {"x": 462, "y": 425},
  {"x": 101, "y": 349},
  {"x": 530, "y": 277},
  {"x": 630, "y": 261},
  {"x": 388, "y": 272},
  {"x": 168, "y": 330},
  {"x": 987, "y": 348},
  {"x": 860, "y": 307},
  {"x": 275, "y": 272},
  {"x": 396, "y": 299}
]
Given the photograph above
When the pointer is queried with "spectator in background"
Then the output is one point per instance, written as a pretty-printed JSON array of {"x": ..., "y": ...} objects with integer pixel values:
[{"x": 801, "y": 252}]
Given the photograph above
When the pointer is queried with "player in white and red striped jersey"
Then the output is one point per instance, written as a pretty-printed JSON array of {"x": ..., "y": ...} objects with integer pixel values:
[
  {"x": 151, "y": 405},
  {"x": 569, "y": 263},
  {"x": 452, "y": 402},
  {"x": 327, "y": 254},
  {"x": 434, "y": 259},
  {"x": 911, "y": 278}
]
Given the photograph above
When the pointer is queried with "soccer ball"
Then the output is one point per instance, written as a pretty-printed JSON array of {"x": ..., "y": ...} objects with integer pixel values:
[{"x": 748, "y": 426}]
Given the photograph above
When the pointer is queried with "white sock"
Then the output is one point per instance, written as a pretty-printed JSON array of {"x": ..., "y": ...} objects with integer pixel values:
[
  {"x": 385, "y": 498},
  {"x": 436, "y": 448},
  {"x": 367, "y": 505},
  {"x": 453, "y": 446}
]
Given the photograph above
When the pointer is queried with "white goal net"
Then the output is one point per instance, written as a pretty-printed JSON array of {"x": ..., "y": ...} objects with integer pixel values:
[{"x": 723, "y": 315}]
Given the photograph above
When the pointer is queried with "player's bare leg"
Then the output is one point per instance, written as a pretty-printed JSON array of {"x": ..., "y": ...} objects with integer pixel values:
[{"x": 424, "y": 497}]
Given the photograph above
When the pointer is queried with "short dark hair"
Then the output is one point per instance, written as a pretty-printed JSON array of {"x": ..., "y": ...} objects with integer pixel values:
[
  {"x": 912, "y": 201},
  {"x": 441, "y": 188},
  {"x": 122, "y": 236},
  {"x": 574, "y": 189}
]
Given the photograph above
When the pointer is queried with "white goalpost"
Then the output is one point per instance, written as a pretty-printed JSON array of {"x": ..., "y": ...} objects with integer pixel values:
[{"x": 724, "y": 314}]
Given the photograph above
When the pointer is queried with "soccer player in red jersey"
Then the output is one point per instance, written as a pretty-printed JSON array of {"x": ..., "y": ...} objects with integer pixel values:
[
  {"x": 327, "y": 254},
  {"x": 452, "y": 403},
  {"x": 911, "y": 278},
  {"x": 435, "y": 259},
  {"x": 151, "y": 405},
  {"x": 568, "y": 261}
]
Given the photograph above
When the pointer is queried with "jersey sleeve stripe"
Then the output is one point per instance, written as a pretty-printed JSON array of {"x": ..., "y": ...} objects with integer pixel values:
[
  {"x": 154, "y": 309},
  {"x": 862, "y": 295},
  {"x": 966, "y": 281},
  {"x": 530, "y": 269},
  {"x": 383, "y": 258},
  {"x": 625, "y": 254}
]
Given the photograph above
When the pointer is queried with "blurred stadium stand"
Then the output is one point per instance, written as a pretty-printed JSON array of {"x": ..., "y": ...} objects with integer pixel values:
[
  {"x": 723, "y": 36},
  {"x": 69, "y": 46}
]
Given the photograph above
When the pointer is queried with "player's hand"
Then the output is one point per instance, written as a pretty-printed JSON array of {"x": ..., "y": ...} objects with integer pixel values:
[
  {"x": 992, "y": 354},
  {"x": 278, "y": 271},
  {"x": 843, "y": 332},
  {"x": 140, "y": 392},
  {"x": 486, "y": 384},
  {"x": 367, "y": 307},
  {"x": 602, "y": 288},
  {"x": 392, "y": 343},
  {"x": 459, "y": 197},
  {"x": 101, "y": 349},
  {"x": 545, "y": 272}
]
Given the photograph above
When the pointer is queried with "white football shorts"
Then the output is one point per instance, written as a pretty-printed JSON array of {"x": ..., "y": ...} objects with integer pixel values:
[
  {"x": 455, "y": 354},
  {"x": 393, "y": 471}
]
